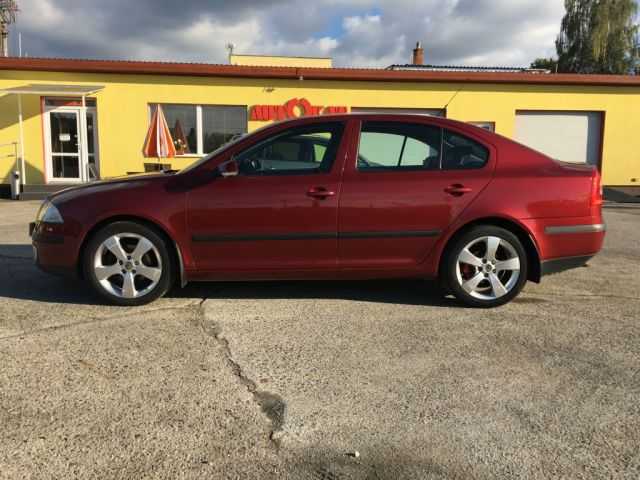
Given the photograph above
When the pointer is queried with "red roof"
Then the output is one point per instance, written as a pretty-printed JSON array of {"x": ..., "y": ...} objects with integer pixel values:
[{"x": 338, "y": 74}]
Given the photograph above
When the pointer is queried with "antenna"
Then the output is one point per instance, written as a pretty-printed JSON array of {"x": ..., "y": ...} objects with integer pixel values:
[
  {"x": 230, "y": 47},
  {"x": 8, "y": 11}
]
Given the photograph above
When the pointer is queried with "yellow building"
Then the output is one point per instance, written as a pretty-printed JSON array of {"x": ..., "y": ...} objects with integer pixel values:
[
  {"x": 276, "y": 61},
  {"x": 85, "y": 119}
]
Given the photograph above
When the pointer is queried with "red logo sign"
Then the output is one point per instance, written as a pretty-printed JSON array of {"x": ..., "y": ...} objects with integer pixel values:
[{"x": 264, "y": 113}]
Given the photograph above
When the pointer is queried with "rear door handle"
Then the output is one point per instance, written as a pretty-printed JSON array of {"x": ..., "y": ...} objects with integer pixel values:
[
  {"x": 320, "y": 192},
  {"x": 457, "y": 189}
]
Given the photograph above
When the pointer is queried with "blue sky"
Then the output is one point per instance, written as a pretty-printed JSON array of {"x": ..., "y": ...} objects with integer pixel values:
[{"x": 359, "y": 33}]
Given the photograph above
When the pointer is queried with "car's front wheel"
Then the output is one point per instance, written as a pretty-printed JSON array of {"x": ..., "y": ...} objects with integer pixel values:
[
  {"x": 485, "y": 266},
  {"x": 128, "y": 264}
]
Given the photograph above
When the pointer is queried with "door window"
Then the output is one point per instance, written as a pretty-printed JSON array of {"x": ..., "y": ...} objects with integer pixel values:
[
  {"x": 462, "y": 153},
  {"x": 65, "y": 154},
  {"x": 398, "y": 146},
  {"x": 308, "y": 149}
]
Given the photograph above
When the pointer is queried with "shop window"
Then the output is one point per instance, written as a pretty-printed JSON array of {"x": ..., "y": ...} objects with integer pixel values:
[
  {"x": 221, "y": 124},
  {"x": 490, "y": 126},
  {"x": 201, "y": 129}
]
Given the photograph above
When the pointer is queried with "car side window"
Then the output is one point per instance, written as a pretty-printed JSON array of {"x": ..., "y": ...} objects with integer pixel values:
[
  {"x": 462, "y": 153},
  {"x": 398, "y": 146},
  {"x": 300, "y": 150}
]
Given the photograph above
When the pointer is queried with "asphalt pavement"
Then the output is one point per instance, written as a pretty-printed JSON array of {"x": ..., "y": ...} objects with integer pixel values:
[{"x": 321, "y": 380}]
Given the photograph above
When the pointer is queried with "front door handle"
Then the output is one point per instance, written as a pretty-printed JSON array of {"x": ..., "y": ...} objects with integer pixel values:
[
  {"x": 320, "y": 192},
  {"x": 457, "y": 189}
]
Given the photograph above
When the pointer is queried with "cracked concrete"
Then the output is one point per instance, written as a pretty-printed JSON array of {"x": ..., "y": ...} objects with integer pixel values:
[
  {"x": 288, "y": 379},
  {"x": 271, "y": 404}
]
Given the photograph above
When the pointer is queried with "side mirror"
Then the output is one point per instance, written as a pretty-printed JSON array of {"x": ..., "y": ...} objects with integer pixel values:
[{"x": 229, "y": 168}]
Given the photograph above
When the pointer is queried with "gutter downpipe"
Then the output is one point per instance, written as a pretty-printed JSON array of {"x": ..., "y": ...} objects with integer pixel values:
[{"x": 23, "y": 173}]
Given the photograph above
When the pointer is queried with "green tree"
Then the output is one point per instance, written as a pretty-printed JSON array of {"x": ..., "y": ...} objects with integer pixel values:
[
  {"x": 615, "y": 36},
  {"x": 550, "y": 64},
  {"x": 598, "y": 36}
]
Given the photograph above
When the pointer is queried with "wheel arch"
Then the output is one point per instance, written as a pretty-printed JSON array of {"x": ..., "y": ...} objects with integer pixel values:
[
  {"x": 525, "y": 237},
  {"x": 174, "y": 250}
]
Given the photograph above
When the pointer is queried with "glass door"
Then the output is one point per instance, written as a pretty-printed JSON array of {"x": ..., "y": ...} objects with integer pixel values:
[
  {"x": 67, "y": 161},
  {"x": 65, "y": 146}
]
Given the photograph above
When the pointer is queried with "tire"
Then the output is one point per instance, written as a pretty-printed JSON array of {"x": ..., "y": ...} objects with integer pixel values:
[
  {"x": 473, "y": 280},
  {"x": 128, "y": 264}
]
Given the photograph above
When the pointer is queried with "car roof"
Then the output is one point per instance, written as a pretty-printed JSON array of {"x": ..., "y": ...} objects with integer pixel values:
[{"x": 463, "y": 127}]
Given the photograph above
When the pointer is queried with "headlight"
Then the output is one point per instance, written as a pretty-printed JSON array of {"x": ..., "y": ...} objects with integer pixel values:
[{"x": 48, "y": 213}]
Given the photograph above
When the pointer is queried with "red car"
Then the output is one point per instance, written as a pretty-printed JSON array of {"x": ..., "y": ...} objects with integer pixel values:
[{"x": 333, "y": 197}]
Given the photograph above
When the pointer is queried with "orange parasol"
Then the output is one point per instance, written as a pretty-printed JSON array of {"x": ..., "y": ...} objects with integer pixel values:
[{"x": 159, "y": 143}]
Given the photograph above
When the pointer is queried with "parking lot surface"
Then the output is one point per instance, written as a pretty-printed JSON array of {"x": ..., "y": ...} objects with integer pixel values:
[{"x": 291, "y": 379}]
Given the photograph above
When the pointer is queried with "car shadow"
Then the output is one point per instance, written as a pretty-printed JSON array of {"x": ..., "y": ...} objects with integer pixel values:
[
  {"x": 16, "y": 251},
  {"x": 405, "y": 292},
  {"x": 24, "y": 281}
]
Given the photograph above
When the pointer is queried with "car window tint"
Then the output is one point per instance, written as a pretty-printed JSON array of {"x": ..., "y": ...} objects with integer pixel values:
[
  {"x": 398, "y": 146},
  {"x": 462, "y": 153},
  {"x": 299, "y": 150},
  {"x": 415, "y": 152},
  {"x": 319, "y": 150}
]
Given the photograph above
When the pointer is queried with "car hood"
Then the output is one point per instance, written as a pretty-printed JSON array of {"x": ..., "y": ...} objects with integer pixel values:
[{"x": 104, "y": 185}]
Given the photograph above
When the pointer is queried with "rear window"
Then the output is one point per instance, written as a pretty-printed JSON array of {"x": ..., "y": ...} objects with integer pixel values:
[
  {"x": 398, "y": 146},
  {"x": 462, "y": 153}
]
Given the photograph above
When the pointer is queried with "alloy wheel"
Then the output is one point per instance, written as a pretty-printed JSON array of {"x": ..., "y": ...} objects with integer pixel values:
[
  {"x": 127, "y": 265},
  {"x": 488, "y": 268}
]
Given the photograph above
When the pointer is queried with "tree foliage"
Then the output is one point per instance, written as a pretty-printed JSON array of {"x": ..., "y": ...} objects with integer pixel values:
[
  {"x": 598, "y": 36},
  {"x": 550, "y": 64}
]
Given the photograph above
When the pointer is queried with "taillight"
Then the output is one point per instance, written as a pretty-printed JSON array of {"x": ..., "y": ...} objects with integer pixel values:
[{"x": 596, "y": 189}]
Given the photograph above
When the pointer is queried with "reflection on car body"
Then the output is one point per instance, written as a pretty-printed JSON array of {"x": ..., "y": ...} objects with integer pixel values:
[{"x": 344, "y": 197}]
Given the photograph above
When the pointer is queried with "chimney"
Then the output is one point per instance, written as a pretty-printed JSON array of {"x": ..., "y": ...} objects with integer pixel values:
[{"x": 418, "y": 54}]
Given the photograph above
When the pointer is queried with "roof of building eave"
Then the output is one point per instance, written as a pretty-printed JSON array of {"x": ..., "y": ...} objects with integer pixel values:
[
  {"x": 307, "y": 73},
  {"x": 465, "y": 68},
  {"x": 53, "y": 89}
]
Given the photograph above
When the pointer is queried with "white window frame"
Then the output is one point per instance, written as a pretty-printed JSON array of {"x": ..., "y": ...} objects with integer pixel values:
[
  {"x": 199, "y": 126},
  {"x": 83, "y": 152}
]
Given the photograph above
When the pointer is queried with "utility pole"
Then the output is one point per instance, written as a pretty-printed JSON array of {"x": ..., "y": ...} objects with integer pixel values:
[{"x": 8, "y": 11}]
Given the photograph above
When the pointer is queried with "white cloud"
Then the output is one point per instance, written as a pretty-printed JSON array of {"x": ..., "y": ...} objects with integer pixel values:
[{"x": 354, "y": 32}]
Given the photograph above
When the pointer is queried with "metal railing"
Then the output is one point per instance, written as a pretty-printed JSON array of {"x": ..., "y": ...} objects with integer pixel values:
[
  {"x": 14, "y": 174},
  {"x": 11, "y": 155}
]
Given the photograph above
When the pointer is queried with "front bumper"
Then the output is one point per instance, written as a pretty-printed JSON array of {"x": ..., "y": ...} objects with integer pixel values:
[{"x": 52, "y": 250}]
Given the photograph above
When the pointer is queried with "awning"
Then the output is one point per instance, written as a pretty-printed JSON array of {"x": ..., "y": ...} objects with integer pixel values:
[
  {"x": 54, "y": 90},
  {"x": 51, "y": 91}
]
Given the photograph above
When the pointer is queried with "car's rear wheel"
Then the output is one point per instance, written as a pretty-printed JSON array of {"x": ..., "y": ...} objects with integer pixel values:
[
  {"x": 128, "y": 264},
  {"x": 485, "y": 266}
]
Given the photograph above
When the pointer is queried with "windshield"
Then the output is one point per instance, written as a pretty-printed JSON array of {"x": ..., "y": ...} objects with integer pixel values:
[{"x": 217, "y": 151}]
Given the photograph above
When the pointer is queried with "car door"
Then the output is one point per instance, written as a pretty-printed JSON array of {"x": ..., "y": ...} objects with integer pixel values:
[
  {"x": 279, "y": 212},
  {"x": 404, "y": 185}
]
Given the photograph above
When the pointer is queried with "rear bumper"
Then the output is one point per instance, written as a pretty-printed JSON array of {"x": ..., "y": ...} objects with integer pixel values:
[
  {"x": 586, "y": 228},
  {"x": 558, "y": 265},
  {"x": 567, "y": 237}
]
